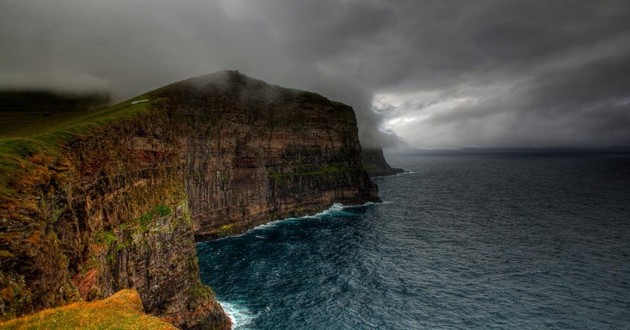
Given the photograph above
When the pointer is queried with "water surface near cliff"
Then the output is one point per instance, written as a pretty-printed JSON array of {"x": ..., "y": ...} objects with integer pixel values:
[{"x": 471, "y": 242}]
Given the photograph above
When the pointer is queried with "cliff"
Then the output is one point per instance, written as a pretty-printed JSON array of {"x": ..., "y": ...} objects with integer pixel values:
[
  {"x": 260, "y": 152},
  {"x": 115, "y": 198}
]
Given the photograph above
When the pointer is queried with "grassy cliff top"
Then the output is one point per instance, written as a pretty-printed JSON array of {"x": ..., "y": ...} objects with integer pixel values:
[
  {"x": 123, "y": 310},
  {"x": 35, "y": 125},
  {"x": 46, "y": 117},
  {"x": 28, "y": 134}
]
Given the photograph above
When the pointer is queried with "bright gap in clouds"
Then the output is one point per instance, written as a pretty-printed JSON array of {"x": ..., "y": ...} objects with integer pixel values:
[{"x": 411, "y": 116}]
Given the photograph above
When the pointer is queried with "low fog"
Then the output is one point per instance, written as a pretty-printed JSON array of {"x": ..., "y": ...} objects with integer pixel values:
[{"x": 420, "y": 74}]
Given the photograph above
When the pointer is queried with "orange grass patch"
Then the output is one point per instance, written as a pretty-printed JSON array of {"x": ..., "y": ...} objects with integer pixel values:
[{"x": 123, "y": 310}]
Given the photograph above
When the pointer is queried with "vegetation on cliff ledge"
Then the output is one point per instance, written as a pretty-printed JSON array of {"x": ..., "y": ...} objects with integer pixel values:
[
  {"x": 123, "y": 310},
  {"x": 40, "y": 136}
]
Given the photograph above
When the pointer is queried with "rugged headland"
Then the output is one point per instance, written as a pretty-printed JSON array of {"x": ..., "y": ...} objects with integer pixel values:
[{"x": 115, "y": 198}]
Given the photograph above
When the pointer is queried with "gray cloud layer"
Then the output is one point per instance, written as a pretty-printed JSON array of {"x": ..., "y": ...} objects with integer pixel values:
[{"x": 436, "y": 73}]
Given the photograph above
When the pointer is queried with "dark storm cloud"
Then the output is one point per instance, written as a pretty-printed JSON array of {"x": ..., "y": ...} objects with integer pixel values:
[
  {"x": 438, "y": 73},
  {"x": 603, "y": 80}
]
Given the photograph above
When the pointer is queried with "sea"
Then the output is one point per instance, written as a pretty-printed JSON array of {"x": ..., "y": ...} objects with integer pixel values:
[{"x": 459, "y": 242}]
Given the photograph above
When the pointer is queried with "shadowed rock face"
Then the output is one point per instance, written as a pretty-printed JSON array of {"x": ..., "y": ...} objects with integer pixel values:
[
  {"x": 121, "y": 205},
  {"x": 261, "y": 152}
]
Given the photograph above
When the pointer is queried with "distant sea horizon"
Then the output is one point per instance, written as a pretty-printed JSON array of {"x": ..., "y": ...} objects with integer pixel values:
[{"x": 541, "y": 151}]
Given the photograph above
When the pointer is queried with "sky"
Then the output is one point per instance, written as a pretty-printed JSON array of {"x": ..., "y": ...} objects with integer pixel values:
[{"x": 419, "y": 73}]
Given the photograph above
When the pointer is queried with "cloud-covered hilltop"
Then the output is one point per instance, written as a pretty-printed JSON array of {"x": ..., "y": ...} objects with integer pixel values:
[{"x": 429, "y": 74}]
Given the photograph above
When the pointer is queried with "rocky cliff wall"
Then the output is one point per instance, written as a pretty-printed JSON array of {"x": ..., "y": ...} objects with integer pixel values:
[
  {"x": 103, "y": 214},
  {"x": 256, "y": 152},
  {"x": 119, "y": 205}
]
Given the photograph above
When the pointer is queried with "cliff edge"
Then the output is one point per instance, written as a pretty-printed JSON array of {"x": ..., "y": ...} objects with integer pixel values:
[{"x": 115, "y": 198}]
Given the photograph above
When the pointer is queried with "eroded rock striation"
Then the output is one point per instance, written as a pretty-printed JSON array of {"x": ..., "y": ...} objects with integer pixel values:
[{"x": 119, "y": 203}]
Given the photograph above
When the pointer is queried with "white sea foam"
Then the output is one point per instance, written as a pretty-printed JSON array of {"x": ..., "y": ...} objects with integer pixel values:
[
  {"x": 336, "y": 208},
  {"x": 268, "y": 224},
  {"x": 366, "y": 204},
  {"x": 406, "y": 173},
  {"x": 241, "y": 316}
]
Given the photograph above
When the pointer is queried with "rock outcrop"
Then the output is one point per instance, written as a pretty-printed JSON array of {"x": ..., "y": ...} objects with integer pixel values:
[
  {"x": 375, "y": 164},
  {"x": 118, "y": 202}
]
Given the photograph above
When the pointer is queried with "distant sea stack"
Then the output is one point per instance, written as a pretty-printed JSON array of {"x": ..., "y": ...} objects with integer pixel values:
[
  {"x": 375, "y": 164},
  {"x": 116, "y": 198}
]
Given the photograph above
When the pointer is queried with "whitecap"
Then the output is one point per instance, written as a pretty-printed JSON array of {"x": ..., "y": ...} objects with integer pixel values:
[
  {"x": 240, "y": 316},
  {"x": 337, "y": 209}
]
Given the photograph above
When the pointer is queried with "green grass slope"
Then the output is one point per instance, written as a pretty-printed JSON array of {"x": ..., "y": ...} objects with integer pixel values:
[{"x": 28, "y": 137}]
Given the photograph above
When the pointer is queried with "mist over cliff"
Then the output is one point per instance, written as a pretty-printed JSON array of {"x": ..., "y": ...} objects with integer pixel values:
[
  {"x": 434, "y": 74},
  {"x": 131, "y": 48}
]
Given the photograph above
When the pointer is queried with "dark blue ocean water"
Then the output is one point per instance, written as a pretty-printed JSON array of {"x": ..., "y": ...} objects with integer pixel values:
[{"x": 461, "y": 242}]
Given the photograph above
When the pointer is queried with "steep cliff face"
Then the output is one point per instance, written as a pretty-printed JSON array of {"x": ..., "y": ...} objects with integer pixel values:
[
  {"x": 259, "y": 152},
  {"x": 102, "y": 214},
  {"x": 117, "y": 203}
]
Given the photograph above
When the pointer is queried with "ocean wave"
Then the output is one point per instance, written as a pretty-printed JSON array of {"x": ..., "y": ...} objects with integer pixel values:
[
  {"x": 240, "y": 316},
  {"x": 436, "y": 259},
  {"x": 337, "y": 209}
]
